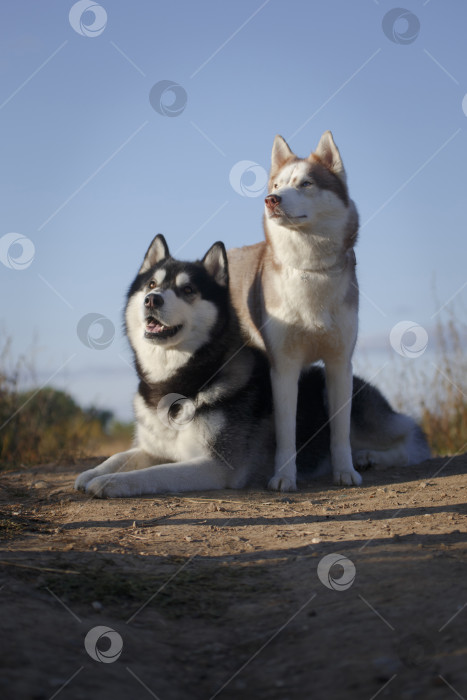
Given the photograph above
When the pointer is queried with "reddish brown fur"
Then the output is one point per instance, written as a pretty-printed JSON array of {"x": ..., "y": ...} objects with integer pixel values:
[{"x": 326, "y": 179}]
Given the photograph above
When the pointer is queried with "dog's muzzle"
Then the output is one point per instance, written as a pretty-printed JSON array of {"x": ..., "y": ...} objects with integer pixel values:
[{"x": 155, "y": 328}]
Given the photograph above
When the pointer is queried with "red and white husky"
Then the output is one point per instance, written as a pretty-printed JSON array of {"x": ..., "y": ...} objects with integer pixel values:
[{"x": 296, "y": 295}]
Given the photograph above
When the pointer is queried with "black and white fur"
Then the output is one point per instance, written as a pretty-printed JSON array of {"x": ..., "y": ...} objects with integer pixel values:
[{"x": 204, "y": 416}]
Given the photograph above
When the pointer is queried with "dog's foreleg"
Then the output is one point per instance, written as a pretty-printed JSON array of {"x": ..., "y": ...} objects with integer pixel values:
[
  {"x": 130, "y": 459},
  {"x": 339, "y": 392},
  {"x": 197, "y": 474},
  {"x": 284, "y": 380}
]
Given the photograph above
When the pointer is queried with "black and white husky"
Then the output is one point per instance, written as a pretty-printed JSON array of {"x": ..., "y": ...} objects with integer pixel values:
[{"x": 204, "y": 414}]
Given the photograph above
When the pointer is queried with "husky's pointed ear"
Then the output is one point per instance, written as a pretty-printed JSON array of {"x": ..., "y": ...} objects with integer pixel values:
[
  {"x": 157, "y": 251},
  {"x": 329, "y": 155},
  {"x": 215, "y": 262},
  {"x": 280, "y": 153}
]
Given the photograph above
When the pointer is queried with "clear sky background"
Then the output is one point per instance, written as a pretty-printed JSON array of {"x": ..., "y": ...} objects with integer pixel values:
[{"x": 91, "y": 169}]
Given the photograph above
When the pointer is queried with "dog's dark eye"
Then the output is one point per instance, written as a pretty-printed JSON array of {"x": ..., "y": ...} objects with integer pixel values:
[
  {"x": 151, "y": 284},
  {"x": 188, "y": 290},
  {"x": 276, "y": 185}
]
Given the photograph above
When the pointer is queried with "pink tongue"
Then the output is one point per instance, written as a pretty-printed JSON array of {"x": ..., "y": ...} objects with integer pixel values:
[{"x": 155, "y": 327}]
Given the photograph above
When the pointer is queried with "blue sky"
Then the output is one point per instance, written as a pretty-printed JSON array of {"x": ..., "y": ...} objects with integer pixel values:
[{"x": 90, "y": 171}]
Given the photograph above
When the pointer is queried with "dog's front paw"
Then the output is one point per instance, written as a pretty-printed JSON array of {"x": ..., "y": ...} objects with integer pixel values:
[
  {"x": 83, "y": 479},
  {"x": 108, "y": 486},
  {"x": 347, "y": 477},
  {"x": 282, "y": 483}
]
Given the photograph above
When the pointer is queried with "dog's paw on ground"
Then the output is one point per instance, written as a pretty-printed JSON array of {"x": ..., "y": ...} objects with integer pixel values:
[
  {"x": 347, "y": 477},
  {"x": 282, "y": 483},
  {"x": 107, "y": 486},
  {"x": 83, "y": 479}
]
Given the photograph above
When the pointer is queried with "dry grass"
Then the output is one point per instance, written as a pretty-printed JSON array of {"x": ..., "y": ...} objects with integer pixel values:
[
  {"x": 47, "y": 425},
  {"x": 444, "y": 401},
  {"x": 440, "y": 380}
]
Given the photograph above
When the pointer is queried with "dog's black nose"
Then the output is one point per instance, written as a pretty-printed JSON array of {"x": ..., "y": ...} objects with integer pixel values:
[
  {"x": 154, "y": 301},
  {"x": 272, "y": 200}
]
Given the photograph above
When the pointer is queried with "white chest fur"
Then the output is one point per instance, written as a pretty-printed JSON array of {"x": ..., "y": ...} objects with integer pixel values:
[
  {"x": 309, "y": 317},
  {"x": 174, "y": 444}
]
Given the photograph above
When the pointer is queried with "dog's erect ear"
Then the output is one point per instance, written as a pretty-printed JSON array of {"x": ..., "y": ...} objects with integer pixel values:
[
  {"x": 215, "y": 262},
  {"x": 329, "y": 155},
  {"x": 157, "y": 251},
  {"x": 280, "y": 153}
]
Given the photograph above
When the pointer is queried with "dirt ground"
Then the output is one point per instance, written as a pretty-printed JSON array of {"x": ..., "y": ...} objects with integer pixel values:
[{"x": 217, "y": 594}]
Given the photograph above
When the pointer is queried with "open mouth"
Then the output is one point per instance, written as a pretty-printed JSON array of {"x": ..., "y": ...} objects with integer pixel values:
[{"x": 155, "y": 330}]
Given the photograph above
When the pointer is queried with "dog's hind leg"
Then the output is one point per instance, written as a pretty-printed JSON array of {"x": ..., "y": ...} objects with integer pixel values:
[
  {"x": 284, "y": 381},
  {"x": 339, "y": 391},
  {"x": 381, "y": 459},
  {"x": 379, "y": 436},
  {"x": 398, "y": 442}
]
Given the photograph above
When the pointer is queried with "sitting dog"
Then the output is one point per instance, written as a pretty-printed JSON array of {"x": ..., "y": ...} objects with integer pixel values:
[{"x": 204, "y": 412}]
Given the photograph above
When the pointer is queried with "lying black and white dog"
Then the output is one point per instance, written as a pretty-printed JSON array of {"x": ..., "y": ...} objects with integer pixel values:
[{"x": 204, "y": 414}]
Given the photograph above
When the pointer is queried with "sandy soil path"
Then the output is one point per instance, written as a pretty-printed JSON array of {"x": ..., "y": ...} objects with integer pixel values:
[{"x": 217, "y": 594}]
